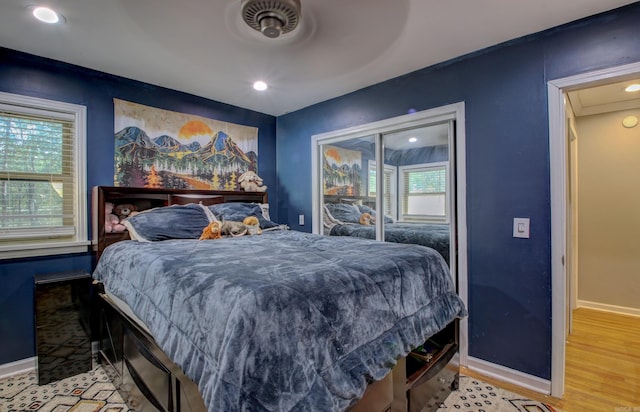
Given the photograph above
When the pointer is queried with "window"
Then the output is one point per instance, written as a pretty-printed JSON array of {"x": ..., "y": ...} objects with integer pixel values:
[
  {"x": 389, "y": 201},
  {"x": 424, "y": 192},
  {"x": 42, "y": 177}
]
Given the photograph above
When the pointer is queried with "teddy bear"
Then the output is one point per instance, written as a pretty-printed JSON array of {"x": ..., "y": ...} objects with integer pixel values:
[
  {"x": 251, "y": 182},
  {"x": 125, "y": 210},
  {"x": 111, "y": 221}
]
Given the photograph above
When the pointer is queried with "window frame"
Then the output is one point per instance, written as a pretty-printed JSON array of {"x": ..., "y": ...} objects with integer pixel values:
[
  {"x": 31, "y": 243},
  {"x": 423, "y": 167},
  {"x": 393, "y": 192}
]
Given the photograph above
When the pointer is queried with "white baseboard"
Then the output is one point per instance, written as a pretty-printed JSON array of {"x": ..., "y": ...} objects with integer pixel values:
[
  {"x": 608, "y": 308},
  {"x": 509, "y": 375},
  {"x": 18, "y": 367}
]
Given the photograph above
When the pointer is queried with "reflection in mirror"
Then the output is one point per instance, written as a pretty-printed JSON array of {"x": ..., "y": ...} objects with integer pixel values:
[
  {"x": 344, "y": 183},
  {"x": 413, "y": 197},
  {"x": 419, "y": 195}
]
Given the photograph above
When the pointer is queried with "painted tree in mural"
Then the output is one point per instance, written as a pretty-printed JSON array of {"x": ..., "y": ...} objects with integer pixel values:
[
  {"x": 355, "y": 178},
  {"x": 130, "y": 174},
  {"x": 153, "y": 180},
  {"x": 231, "y": 183}
]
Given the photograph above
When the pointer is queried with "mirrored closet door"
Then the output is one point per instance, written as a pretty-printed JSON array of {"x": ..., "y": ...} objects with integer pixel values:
[{"x": 391, "y": 181}]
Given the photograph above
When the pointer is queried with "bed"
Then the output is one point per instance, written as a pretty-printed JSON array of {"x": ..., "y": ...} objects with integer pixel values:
[
  {"x": 282, "y": 321},
  {"x": 343, "y": 219}
]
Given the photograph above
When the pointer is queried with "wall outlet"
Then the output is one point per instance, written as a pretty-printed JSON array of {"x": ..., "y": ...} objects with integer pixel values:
[{"x": 301, "y": 220}]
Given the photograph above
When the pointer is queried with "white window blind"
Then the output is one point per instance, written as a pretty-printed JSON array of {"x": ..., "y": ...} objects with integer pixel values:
[
  {"x": 41, "y": 176},
  {"x": 424, "y": 192}
]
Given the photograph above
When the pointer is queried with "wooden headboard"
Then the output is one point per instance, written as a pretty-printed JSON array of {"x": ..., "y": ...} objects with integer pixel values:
[
  {"x": 147, "y": 198},
  {"x": 362, "y": 200}
]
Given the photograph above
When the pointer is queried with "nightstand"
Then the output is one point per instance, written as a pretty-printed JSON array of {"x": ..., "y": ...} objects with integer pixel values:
[{"x": 62, "y": 321}]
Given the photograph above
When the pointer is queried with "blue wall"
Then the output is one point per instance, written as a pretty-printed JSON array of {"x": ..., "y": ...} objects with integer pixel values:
[
  {"x": 504, "y": 90},
  {"x": 38, "y": 77}
]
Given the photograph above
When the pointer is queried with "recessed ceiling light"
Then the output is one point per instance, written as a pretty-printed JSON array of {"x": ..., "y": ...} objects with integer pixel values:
[
  {"x": 260, "y": 85},
  {"x": 630, "y": 122},
  {"x": 632, "y": 88},
  {"x": 413, "y": 140},
  {"x": 46, "y": 15}
]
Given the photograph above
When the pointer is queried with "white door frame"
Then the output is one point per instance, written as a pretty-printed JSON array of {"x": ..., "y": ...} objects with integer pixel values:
[{"x": 558, "y": 173}]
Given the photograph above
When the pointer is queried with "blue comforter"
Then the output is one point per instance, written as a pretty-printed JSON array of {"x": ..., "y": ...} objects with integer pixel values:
[
  {"x": 433, "y": 235},
  {"x": 284, "y": 321}
]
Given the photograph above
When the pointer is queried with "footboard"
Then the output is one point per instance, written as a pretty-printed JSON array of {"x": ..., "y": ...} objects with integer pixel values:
[
  {"x": 148, "y": 380},
  {"x": 144, "y": 376}
]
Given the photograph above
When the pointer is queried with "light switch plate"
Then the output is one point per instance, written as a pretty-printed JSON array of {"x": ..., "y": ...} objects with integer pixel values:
[{"x": 521, "y": 227}]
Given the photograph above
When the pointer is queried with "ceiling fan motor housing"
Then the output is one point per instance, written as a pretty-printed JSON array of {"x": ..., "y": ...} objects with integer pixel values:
[{"x": 271, "y": 17}]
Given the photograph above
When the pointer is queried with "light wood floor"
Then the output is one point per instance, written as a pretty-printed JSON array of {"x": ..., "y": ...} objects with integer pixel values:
[{"x": 602, "y": 365}]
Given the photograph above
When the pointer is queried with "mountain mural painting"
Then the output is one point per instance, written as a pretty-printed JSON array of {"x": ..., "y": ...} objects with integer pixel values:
[
  {"x": 159, "y": 148},
  {"x": 341, "y": 170}
]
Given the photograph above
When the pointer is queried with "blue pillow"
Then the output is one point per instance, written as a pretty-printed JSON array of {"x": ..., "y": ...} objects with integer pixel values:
[
  {"x": 343, "y": 212},
  {"x": 236, "y": 212},
  {"x": 170, "y": 222},
  {"x": 367, "y": 209}
]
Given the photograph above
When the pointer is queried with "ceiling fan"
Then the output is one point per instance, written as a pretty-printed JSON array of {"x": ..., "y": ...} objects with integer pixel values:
[{"x": 271, "y": 17}]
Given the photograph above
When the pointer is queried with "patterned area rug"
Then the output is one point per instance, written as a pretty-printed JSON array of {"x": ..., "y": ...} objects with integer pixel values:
[
  {"x": 92, "y": 392},
  {"x": 86, "y": 392},
  {"x": 478, "y": 396}
]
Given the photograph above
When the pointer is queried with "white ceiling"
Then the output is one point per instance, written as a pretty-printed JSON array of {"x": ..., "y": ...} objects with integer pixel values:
[
  {"x": 432, "y": 135},
  {"x": 204, "y": 48}
]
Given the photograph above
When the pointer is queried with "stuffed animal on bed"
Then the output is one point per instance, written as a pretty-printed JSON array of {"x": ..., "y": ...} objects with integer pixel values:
[
  {"x": 215, "y": 230},
  {"x": 251, "y": 182},
  {"x": 212, "y": 231},
  {"x": 253, "y": 225},
  {"x": 233, "y": 229},
  {"x": 367, "y": 220},
  {"x": 111, "y": 221}
]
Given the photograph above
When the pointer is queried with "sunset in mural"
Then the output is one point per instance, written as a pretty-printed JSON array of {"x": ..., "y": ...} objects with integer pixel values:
[
  {"x": 333, "y": 155},
  {"x": 195, "y": 129}
]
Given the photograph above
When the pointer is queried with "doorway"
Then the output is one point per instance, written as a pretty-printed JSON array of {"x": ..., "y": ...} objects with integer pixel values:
[{"x": 563, "y": 226}]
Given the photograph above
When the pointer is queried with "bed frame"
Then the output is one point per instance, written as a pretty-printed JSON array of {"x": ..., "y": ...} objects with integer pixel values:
[
  {"x": 363, "y": 200},
  {"x": 149, "y": 381}
]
